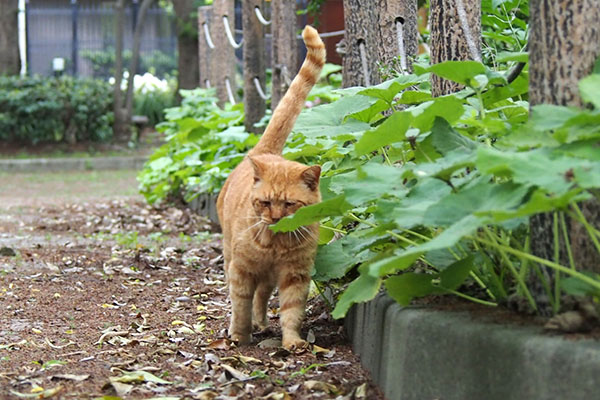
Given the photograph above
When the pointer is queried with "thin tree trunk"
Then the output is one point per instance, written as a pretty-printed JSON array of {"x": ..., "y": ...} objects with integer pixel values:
[
  {"x": 254, "y": 64},
  {"x": 564, "y": 44},
  {"x": 120, "y": 125},
  {"x": 135, "y": 55},
  {"x": 361, "y": 43},
  {"x": 455, "y": 35},
  {"x": 285, "y": 48},
  {"x": 10, "y": 60},
  {"x": 187, "y": 45}
]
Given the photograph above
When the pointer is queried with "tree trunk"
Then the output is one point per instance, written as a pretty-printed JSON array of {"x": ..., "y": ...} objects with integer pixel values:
[
  {"x": 455, "y": 35},
  {"x": 285, "y": 48},
  {"x": 187, "y": 45},
  {"x": 223, "y": 61},
  {"x": 120, "y": 124},
  {"x": 397, "y": 51},
  {"x": 10, "y": 60},
  {"x": 563, "y": 46},
  {"x": 123, "y": 107},
  {"x": 254, "y": 64},
  {"x": 361, "y": 44}
]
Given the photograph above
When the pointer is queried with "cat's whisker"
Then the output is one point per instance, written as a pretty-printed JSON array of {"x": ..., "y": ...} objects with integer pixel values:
[
  {"x": 301, "y": 234},
  {"x": 309, "y": 232},
  {"x": 252, "y": 226}
]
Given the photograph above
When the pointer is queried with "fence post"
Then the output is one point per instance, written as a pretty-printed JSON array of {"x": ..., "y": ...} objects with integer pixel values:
[
  {"x": 223, "y": 56},
  {"x": 362, "y": 42},
  {"x": 205, "y": 18},
  {"x": 254, "y": 63},
  {"x": 399, "y": 35},
  {"x": 75, "y": 41},
  {"x": 455, "y": 35},
  {"x": 284, "y": 48}
]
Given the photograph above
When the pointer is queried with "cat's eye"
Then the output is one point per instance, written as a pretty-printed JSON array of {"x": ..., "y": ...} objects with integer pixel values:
[
  {"x": 265, "y": 203},
  {"x": 290, "y": 203}
]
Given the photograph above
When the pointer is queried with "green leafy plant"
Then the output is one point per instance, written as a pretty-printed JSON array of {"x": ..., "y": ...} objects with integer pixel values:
[
  {"x": 435, "y": 195},
  {"x": 49, "y": 109},
  {"x": 204, "y": 143}
]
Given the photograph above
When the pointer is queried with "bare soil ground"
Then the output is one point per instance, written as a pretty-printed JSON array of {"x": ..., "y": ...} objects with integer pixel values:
[{"x": 102, "y": 295}]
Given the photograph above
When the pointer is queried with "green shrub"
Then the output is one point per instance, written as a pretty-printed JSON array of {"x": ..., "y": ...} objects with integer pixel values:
[
  {"x": 43, "y": 109},
  {"x": 157, "y": 62},
  {"x": 152, "y": 96},
  {"x": 204, "y": 143}
]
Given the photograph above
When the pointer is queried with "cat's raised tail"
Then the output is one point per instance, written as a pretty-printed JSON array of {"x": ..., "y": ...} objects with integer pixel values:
[{"x": 288, "y": 109}]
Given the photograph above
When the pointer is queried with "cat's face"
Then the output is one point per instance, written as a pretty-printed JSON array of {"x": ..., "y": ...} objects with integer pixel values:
[{"x": 281, "y": 188}]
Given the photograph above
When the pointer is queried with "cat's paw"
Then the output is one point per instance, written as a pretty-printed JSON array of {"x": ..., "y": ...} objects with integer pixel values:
[
  {"x": 240, "y": 339},
  {"x": 260, "y": 325},
  {"x": 294, "y": 343}
]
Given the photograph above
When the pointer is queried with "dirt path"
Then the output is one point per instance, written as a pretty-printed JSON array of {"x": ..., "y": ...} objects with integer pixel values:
[{"x": 102, "y": 295}]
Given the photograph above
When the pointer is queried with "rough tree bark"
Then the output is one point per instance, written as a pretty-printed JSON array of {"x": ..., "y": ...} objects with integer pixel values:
[
  {"x": 187, "y": 45},
  {"x": 10, "y": 60},
  {"x": 361, "y": 44},
  {"x": 254, "y": 63},
  {"x": 455, "y": 35},
  {"x": 285, "y": 48},
  {"x": 223, "y": 61},
  {"x": 563, "y": 45},
  {"x": 390, "y": 13}
]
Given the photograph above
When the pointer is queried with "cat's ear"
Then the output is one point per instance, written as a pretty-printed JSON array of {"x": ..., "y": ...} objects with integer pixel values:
[
  {"x": 310, "y": 176},
  {"x": 258, "y": 167}
]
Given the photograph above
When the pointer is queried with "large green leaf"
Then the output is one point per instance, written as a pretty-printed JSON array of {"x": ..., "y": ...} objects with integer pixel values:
[
  {"x": 390, "y": 131},
  {"x": 363, "y": 288},
  {"x": 447, "y": 238},
  {"x": 590, "y": 89},
  {"x": 403, "y": 288},
  {"x": 331, "y": 119},
  {"x": 310, "y": 214},
  {"x": 450, "y": 108},
  {"x": 556, "y": 173},
  {"x": 484, "y": 196},
  {"x": 445, "y": 139},
  {"x": 410, "y": 211},
  {"x": 389, "y": 89},
  {"x": 369, "y": 182},
  {"x": 458, "y": 71}
]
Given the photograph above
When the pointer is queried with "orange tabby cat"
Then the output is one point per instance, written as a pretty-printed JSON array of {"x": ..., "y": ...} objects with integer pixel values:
[{"x": 263, "y": 189}]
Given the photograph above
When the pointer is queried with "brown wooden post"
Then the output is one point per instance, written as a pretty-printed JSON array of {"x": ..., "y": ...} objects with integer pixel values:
[
  {"x": 563, "y": 46},
  {"x": 223, "y": 55},
  {"x": 205, "y": 18},
  {"x": 397, "y": 49},
  {"x": 362, "y": 43},
  {"x": 284, "y": 47},
  {"x": 455, "y": 35},
  {"x": 254, "y": 63},
  {"x": 10, "y": 61}
]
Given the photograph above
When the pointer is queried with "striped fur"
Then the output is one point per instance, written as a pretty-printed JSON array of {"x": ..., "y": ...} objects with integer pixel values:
[{"x": 262, "y": 189}]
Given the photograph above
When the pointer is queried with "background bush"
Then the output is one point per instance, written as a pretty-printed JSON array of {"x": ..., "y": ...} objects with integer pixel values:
[{"x": 34, "y": 110}]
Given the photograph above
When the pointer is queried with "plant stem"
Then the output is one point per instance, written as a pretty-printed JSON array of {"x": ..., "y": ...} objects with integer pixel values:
[
  {"x": 556, "y": 303},
  {"x": 385, "y": 156},
  {"x": 553, "y": 265},
  {"x": 392, "y": 233},
  {"x": 585, "y": 223},
  {"x": 511, "y": 268},
  {"x": 334, "y": 229},
  {"x": 473, "y": 299},
  {"x": 323, "y": 295},
  {"x": 563, "y": 226}
]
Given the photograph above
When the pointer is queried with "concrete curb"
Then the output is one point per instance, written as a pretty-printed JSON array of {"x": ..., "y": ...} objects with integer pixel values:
[
  {"x": 422, "y": 354},
  {"x": 72, "y": 164}
]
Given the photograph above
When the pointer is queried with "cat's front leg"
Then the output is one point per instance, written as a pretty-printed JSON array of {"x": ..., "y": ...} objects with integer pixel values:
[
  {"x": 293, "y": 292},
  {"x": 241, "y": 290}
]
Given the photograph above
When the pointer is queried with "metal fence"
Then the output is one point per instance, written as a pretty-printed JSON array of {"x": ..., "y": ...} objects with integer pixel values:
[{"x": 82, "y": 32}]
